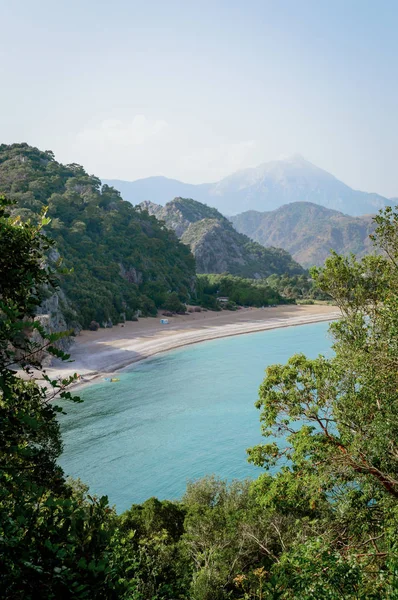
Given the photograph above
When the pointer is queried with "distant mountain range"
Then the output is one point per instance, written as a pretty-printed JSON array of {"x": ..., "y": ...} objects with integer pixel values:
[
  {"x": 216, "y": 245},
  {"x": 308, "y": 231},
  {"x": 263, "y": 188}
]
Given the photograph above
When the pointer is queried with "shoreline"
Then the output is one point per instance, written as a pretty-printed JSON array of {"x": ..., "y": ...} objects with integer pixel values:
[{"x": 109, "y": 351}]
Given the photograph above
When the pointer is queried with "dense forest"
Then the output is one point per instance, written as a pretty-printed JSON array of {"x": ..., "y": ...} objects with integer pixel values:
[
  {"x": 239, "y": 291},
  {"x": 320, "y": 522},
  {"x": 117, "y": 260},
  {"x": 298, "y": 287}
]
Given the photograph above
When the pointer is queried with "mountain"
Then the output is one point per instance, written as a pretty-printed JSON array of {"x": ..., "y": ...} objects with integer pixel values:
[
  {"x": 156, "y": 189},
  {"x": 308, "y": 231},
  {"x": 216, "y": 245},
  {"x": 120, "y": 259},
  {"x": 265, "y": 187}
]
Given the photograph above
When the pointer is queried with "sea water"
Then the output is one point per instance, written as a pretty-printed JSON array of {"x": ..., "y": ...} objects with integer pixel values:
[{"x": 178, "y": 416}]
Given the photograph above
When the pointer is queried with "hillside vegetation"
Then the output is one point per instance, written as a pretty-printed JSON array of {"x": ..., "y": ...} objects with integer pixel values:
[
  {"x": 120, "y": 260},
  {"x": 216, "y": 245},
  {"x": 239, "y": 291},
  {"x": 308, "y": 231},
  {"x": 299, "y": 287},
  {"x": 319, "y": 522}
]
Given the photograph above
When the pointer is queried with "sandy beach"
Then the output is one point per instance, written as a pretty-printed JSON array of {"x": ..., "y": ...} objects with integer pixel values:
[{"x": 103, "y": 352}]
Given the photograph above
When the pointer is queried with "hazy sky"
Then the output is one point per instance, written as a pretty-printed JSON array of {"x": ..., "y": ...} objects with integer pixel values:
[{"x": 198, "y": 89}]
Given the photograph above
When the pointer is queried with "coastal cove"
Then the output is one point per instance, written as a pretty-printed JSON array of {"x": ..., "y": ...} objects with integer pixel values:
[
  {"x": 102, "y": 353},
  {"x": 178, "y": 416},
  {"x": 198, "y": 301}
]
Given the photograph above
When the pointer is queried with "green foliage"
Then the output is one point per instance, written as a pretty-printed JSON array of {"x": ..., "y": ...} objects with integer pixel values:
[
  {"x": 173, "y": 303},
  {"x": 297, "y": 286},
  {"x": 244, "y": 292},
  {"x": 272, "y": 260},
  {"x": 153, "y": 531},
  {"x": 321, "y": 521},
  {"x": 333, "y": 424},
  {"x": 117, "y": 259},
  {"x": 192, "y": 210},
  {"x": 55, "y": 541},
  {"x": 323, "y": 525},
  {"x": 217, "y": 247}
]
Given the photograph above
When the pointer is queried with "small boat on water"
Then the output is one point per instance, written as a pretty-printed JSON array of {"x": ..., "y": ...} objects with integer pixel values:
[{"x": 114, "y": 379}]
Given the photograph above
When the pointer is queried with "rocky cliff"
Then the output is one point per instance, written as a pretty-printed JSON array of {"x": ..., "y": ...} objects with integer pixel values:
[{"x": 216, "y": 245}]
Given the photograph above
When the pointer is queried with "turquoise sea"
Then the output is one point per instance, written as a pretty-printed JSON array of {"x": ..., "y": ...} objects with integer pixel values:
[{"x": 178, "y": 416}]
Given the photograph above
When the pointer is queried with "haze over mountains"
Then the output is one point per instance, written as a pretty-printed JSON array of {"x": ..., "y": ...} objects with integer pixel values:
[{"x": 263, "y": 188}]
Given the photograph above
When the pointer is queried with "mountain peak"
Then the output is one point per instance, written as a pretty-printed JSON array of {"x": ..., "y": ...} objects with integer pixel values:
[
  {"x": 289, "y": 163},
  {"x": 265, "y": 187}
]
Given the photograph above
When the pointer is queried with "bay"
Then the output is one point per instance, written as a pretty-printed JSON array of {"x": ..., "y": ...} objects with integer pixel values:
[{"x": 178, "y": 416}]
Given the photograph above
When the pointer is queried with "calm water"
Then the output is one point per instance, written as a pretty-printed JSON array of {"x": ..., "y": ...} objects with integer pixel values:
[{"x": 179, "y": 416}]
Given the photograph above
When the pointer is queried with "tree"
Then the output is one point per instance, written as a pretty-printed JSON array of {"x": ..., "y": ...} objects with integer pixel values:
[
  {"x": 55, "y": 540},
  {"x": 323, "y": 526},
  {"x": 119, "y": 260},
  {"x": 173, "y": 303},
  {"x": 332, "y": 424}
]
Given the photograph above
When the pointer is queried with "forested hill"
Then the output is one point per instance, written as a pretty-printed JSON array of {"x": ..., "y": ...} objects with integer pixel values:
[
  {"x": 216, "y": 245},
  {"x": 308, "y": 231},
  {"x": 122, "y": 259}
]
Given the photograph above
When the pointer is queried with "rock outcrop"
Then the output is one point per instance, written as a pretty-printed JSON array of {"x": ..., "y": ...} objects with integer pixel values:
[{"x": 216, "y": 245}]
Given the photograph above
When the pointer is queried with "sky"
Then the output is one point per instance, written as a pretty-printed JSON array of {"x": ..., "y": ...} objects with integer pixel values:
[{"x": 197, "y": 90}]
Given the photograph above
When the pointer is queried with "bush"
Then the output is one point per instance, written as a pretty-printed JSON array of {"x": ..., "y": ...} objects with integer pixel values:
[
  {"x": 230, "y": 306},
  {"x": 94, "y": 326},
  {"x": 173, "y": 303}
]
